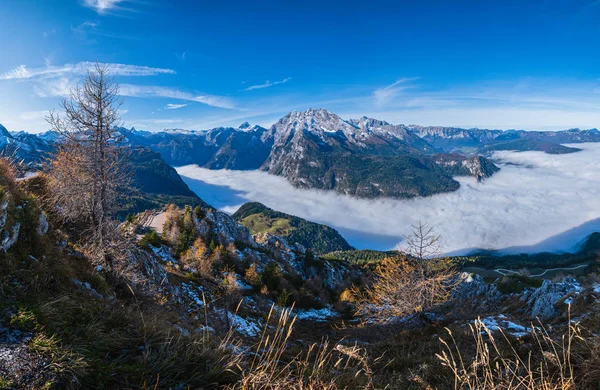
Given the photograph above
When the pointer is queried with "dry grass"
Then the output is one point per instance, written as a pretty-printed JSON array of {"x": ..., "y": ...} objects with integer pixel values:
[
  {"x": 319, "y": 366},
  {"x": 548, "y": 366}
]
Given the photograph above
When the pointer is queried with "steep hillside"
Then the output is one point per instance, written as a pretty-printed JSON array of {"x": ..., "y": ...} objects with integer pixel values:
[
  {"x": 156, "y": 183},
  {"x": 319, "y": 238},
  {"x": 166, "y": 310},
  {"x": 207, "y": 305}
]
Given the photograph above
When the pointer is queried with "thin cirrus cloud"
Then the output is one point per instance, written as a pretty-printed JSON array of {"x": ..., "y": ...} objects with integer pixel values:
[
  {"x": 172, "y": 106},
  {"x": 267, "y": 84},
  {"x": 87, "y": 30},
  {"x": 385, "y": 94},
  {"x": 173, "y": 93},
  {"x": 59, "y": 80},
  {"x": 103, "y": 6},
  {"x": 81, "y": 68}
]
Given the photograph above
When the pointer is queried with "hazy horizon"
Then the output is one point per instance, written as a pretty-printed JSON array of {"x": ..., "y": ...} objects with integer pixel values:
[{"x": 269, "y": 124}]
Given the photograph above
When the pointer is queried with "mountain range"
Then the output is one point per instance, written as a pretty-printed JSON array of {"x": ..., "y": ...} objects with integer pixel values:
[
  {"x": 156, "y": 183},
  {"x": 317, "y": 149},
  {"x": 363, "y": 157}
]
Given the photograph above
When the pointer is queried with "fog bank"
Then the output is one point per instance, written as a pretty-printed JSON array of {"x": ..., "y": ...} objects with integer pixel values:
[{"x": 537, "y": 202}]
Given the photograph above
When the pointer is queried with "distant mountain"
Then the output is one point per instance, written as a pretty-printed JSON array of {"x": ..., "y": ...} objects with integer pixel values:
[
  {"x": 155, "y": 181},
  {"x": 315, "y": 148},
  {"x": 220, "y": 148},
  {"x": 27, "y": 148},
  {"x": 473, "y": 141},
  {"x": 319, "y": 238},
  {"x": 364, "y": 157},
  {"x": 522, "y": 145}
]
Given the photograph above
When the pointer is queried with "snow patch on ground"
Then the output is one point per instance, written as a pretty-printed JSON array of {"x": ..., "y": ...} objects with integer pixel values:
[
  {"x": 500, "y": 322},
  {"x": 318, "y": 315},
  {"x": 193, "y": 293},
  {"x": 164, "y": 254},
  {"x": 244, "y": 326}
]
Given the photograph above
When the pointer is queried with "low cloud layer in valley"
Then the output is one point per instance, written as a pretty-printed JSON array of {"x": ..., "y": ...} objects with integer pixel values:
[{"x": 537, "y": 202}]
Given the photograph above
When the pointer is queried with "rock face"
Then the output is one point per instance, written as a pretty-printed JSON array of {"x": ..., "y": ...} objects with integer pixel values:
[
  {"x": 540, "y": 302},
  {"x": 457, "y": 165},
  {"x": 365, "y": 157},
  {"x": 42, "y": 224},
  {"x": 473, "y": 287}
]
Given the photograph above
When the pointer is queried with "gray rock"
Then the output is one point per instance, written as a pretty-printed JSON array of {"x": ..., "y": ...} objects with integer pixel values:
[
  {"x": 473, "y": 287},
  {"x": 42, "y": 224},
  {"x": 9, "y": 237},
  {"x": 541, "y": 301}
]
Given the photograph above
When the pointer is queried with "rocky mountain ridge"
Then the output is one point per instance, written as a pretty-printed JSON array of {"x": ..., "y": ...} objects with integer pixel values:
[
  {"x": 471, "y": 141},
  {"x": 316, "y": 148}
]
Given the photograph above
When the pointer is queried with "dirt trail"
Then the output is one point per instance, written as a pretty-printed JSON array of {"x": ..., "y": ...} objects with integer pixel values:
[{"x": 156, "y": 222}]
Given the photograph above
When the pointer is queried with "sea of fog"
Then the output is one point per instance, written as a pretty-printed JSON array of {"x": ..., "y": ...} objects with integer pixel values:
[{"x": 537, "y": 202}]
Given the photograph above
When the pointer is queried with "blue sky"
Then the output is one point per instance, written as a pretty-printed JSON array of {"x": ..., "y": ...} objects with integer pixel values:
[{"x": 198, "y": 64}]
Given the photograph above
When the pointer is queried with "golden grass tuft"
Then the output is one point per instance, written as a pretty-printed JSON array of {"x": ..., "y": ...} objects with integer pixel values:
[
  {"x": 548, "y": 366},
  {"x": 319, "y": 366}
]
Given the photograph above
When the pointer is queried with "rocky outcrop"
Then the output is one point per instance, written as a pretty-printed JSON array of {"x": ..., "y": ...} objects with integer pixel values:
[
  {"x": 472, "y": 287},
  {"x": 227, "y": 230},
  {"x": 42, "y": 224},
  {"x": 457, "y": 165},
  {"x": 9, "y": 232},
  {"x": 541, "y": 301}
]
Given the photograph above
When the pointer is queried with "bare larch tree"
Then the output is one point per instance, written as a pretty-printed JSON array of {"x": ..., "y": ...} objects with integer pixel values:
[
  {"x": 423, "y": 242},
  {"x": 88, "y": 170}
]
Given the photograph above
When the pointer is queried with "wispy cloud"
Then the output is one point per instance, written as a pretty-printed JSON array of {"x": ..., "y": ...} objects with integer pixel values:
[
  {"x": 54, "y": 86},
  {"x": 267, "y": 84},
  {"x": 172, "y": 106},
  {"x": 103, "y": 6},
  {"x": 51, "y": 81},
  {"x": 34, "y": 115},
  {"x": 81, "y": 68},
  {"x": 386, "y": 94},
  {"x": 166, "y": 92},
  {"x": 89, "y": 29},
  {"x": 48, "y": 33}
]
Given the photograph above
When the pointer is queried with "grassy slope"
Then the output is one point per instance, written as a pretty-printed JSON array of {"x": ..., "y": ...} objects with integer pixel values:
[
  {"x": 157, "y": 184},
  {"x": 261, "y": 223},
  {"x": 319, "y": 238},
  {"x": 105, "y": 335}
]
